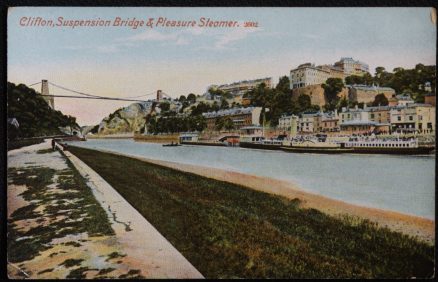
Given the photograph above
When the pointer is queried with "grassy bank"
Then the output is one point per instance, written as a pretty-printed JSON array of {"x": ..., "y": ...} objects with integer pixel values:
[{"x": 227, "y": 230}]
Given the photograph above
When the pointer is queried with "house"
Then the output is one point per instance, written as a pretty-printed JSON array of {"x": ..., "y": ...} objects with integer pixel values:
[
  {"x": 413, "y": 118},
  {"x": 239, "y": 116}
]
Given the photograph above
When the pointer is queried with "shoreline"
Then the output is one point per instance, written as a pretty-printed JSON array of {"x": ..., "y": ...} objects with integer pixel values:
[{"x": 412, "y": 225}]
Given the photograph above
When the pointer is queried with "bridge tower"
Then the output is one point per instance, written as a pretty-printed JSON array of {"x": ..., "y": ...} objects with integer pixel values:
[
  {"x": 45, "y": 91},
  {"x": 159, "y": 95}
]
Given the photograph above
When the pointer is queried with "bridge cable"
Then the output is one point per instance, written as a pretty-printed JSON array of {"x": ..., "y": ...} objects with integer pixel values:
[
  {"x": 74, "y": 91},
  {"x": 141, "y": 95},
  {"x": 96, "y": 97},
  {"x": 90, "y": 95},
  {"x": 34, "y": 84}
]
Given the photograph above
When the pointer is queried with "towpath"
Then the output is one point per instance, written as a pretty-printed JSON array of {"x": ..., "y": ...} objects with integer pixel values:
[{"x": 65, "y": 221}]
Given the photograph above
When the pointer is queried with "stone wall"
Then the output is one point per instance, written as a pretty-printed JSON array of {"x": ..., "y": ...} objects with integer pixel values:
[
  {"x": 368, "y": 96},
  {"x": 316, "y": 93}
]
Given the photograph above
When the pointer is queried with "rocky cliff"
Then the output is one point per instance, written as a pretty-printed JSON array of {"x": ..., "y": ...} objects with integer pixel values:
[{"x": 126, "y": 120}]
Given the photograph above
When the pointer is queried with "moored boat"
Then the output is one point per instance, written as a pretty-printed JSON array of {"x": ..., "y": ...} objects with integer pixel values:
[
  {"x": 387, "y": 146},
  {"x": 315, "y": 146},
  {"x": 205, "y": 143},
  {"x": 252, "y": 137},
  {"x": 267, "y": 144}
]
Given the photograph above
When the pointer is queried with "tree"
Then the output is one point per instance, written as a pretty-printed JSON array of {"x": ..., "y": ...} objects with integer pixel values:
[
  {"x": 71, "y": 123},
  {"x": 379, "y": 71},
  {"x": 354, "y": 79},
  {"x": 382, "y": 77},
  {"x": 304, "y": 102},
  {"x": 36, "y": 118},
  {"x": 343, "y": 103},
  {"x": 283, "y": 84},
  {"x": 164, "y": 106},
  {"x": 380, "y": 100},
  {"x": 228, "y": 124},
  {"x": 215, "y": 107},
  {"x": 199, "y": 109},
  {"x": 279, "y": 102},
  {"x": 200, "y": 123},
  {"x": 182, "y": 98},
  {"x": 224, "y": 104},
  {"x": 366, "y": 79},
  {"x": 219, "y": 92},
  {"x": 191, "y": 98},
  {"x": 332, "y": 87},
  {"x": 219, "y": 124}
]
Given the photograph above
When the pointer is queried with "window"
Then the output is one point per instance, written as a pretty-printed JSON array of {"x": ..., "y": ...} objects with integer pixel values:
[
  {"x": 372, "y": 115},
  {"x": 399, "y": 118},
  {"x": 411, "y": 118}
]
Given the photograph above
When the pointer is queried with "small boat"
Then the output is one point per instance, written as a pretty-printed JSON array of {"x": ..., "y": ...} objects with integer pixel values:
[{"x": 171, "y": 145}]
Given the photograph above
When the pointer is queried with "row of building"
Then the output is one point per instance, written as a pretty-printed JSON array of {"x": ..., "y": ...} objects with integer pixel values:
[
  {"x": 241, "y": 87},
  {"x": 307, "y": 79},
  {"x": 240, "y": 116},
  {"x": 304, "y": 75},
  {"x": 403, "y": 116}
]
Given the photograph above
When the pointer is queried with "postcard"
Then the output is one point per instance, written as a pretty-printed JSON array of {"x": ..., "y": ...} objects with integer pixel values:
[{"x": 221, "y": 142}]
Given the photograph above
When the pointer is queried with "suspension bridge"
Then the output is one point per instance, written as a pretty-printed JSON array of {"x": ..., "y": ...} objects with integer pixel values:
[{"x": 49, "y": 98}]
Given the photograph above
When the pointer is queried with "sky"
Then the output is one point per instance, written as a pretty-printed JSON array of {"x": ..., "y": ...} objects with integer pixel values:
[{"x": 122, "y": 61}]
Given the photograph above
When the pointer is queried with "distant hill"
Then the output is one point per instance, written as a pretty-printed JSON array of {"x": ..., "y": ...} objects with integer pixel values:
[{"x": 33, "y": 114}]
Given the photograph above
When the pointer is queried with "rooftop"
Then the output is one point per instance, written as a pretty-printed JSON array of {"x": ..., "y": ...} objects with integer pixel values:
[
  {"x": 228, "y": 112},
  {"x": 358, "y": 122},
  {"x": 251, "y": 127},
  {"x": 258, "y": 80},
  {"x": 368, "y": 87},
  {"x": 404, "y": 97}
]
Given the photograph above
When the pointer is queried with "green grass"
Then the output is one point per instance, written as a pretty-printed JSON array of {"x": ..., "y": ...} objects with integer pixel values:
[
  {"x": 114, "y": 255},
  {"x": 72, "y": 262},
  {"x": 85, "y": 215},
  {"x": 229, "y": 231},
  {"x": 45, "y": 151}
]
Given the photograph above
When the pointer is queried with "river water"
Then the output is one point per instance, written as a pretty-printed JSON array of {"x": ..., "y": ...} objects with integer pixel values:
[{"x": 401, "y": 183}]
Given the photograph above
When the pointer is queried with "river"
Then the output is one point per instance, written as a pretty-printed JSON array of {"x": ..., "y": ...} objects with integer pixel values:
[{"x": 400, "y": 183}]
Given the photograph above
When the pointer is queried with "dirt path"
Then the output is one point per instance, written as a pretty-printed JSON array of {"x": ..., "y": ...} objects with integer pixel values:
[
  {"x": 57, "y": 228},
  {"x": 423, "y": 228}
]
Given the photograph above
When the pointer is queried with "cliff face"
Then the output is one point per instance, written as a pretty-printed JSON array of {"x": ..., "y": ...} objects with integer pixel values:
[
  {"x": 125, "y": 120},
  {"x": 316, "y": 93}
]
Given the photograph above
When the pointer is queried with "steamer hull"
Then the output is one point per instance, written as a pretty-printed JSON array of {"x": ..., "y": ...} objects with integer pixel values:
[
  {"x": 394, "y": 151},
  {"x": 259, "y": 146},
  {"x": 317, "y": 150}
]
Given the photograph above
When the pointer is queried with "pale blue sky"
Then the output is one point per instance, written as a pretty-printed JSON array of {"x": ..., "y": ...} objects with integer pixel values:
[{"x": 115, "y": 61}]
